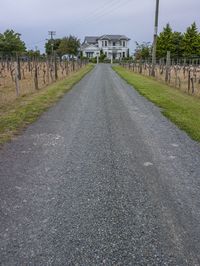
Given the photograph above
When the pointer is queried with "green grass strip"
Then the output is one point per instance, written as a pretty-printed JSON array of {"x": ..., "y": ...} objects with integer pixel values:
[
  {"x": 180, "y": 108},
  {"x": 25, "y": 110}
]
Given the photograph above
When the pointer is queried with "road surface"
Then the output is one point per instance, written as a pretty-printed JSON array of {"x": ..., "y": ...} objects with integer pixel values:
[{"x": 102, "y": 178}]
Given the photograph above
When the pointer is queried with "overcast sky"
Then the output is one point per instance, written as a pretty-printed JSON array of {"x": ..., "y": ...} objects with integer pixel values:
[{"x": 134, "y": 18}]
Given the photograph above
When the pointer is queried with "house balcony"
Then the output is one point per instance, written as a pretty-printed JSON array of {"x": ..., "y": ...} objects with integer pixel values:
[{"x": 114, "y": 47}]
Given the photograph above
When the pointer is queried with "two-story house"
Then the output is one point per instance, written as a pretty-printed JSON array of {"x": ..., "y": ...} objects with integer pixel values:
[{"x": 113, "y": 46}]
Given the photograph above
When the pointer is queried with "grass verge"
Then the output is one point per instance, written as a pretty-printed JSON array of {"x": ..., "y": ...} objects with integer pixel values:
[
  {"x": 25, "y": 110},
  {"x": 180, "y": 108}
]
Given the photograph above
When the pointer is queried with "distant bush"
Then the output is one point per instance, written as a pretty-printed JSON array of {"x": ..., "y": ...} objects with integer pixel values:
[
  {"x": 93, "y": 60},
  {"x": 106, "y": 60}
]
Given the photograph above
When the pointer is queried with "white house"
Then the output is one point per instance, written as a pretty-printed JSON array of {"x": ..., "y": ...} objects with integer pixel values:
[{"x": 113, "y": 46}]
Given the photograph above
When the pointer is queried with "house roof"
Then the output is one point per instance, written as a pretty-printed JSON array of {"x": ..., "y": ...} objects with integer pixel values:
[
  {"x": 91, "y": 39},
  {"x": 113, "y": 37},
  {"x": 84, "y": 45},
  {"x": 94, "y": 39}
]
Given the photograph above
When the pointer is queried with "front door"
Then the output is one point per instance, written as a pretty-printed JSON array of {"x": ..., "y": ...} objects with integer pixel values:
[{"x": 114, "y": 55}]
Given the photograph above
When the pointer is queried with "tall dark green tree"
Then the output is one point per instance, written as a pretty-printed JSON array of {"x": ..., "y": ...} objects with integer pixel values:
[
  {"x": 69, "y": 45},
  {"x": 177, "y": 49},
  {"x": 186, "y": 44},
  {"x": 165, "y": 41},
  {"x": 10, "y": 43},
  {"x": 191, "y": 41}
]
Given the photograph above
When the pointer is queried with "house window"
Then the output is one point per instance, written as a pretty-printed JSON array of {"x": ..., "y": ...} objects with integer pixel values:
[
  {"x": 114, "y": 43},
  {"x": 124, "y": 54},
  {"x": 89, "y": 54},
  {"x": 106, "y": 43},
  {"x": 124, "y": 43}
]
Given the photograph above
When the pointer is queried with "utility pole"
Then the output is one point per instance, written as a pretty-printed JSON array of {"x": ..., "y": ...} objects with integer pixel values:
[
  {"x": 53, "y": 54},
  {"x": 155, "y": 39},
  {"x": 52, "y": 33}
]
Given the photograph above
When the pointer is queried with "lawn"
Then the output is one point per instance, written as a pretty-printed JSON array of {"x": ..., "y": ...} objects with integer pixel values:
[
  {"x": 179, "y": 107},
  {"x": 25, "y": 110}
]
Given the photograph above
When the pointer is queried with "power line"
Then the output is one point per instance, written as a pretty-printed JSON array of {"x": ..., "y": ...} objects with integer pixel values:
[
  {"x": 33, "y": 44},
  {"x": 98, "y": 11},
  {"x": 104, "y": 11},
  {"x": 113, "y": 9}
]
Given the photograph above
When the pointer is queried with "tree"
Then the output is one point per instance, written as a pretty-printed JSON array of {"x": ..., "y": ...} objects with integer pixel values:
[
  {"x": 55, "y": 43},
  {"x": 165, "y": 41},
  {"x": 142, "y": 51},
  {"x": 191, "y": 41},
  {"x": 177, "y": 49},
  {"x": 10, "y": 43},
  {"x": 170, "y": 41},
  {"x": 102, "y": 56},
  {"x": 33, "y": 54},
  {"x": 69, "y": 45}
]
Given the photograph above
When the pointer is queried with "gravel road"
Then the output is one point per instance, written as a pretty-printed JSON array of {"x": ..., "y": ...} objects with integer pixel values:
[{"x": 102, "y": 178}]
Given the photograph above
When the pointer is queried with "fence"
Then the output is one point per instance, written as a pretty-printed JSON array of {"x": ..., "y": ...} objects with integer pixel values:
[
  {"x": 22, "y": 76},
  {"x": 181, "y": 74}
]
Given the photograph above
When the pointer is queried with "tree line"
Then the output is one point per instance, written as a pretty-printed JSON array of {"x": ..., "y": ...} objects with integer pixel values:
[
  {"x": 181, "y": 45},
  {"x": 12, "y": 44}
]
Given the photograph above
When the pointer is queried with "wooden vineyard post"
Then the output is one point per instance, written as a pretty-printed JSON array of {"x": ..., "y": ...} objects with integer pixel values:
[
  {"x": 47, "y": 64},
  {"x": 73, "y": 65},
  {"x": 140, "y": 66},
  {"x": 176, "y": 76},
  {"x": 167, "y": 67},
  {"x": 19, "y": 67},
  {"x": 16, "y": 79},
  {"x": 192, "y": 81},
  {"x": 36, "y": 77},
  {"x": 67, "y": 67},
  {"x": 189, "y": 79},
  {"x": 55, "y": 66},
  {"x": 29, "y": 65}
]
